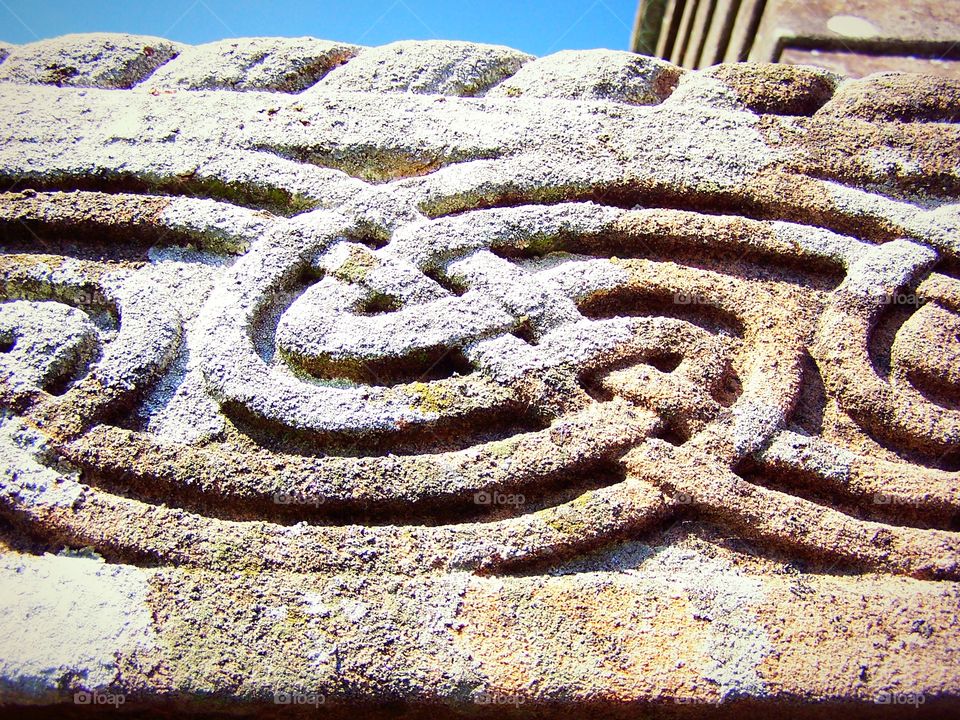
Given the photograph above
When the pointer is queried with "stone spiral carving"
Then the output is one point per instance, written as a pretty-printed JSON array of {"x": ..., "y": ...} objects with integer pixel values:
[{"x": 302, "y": 332}]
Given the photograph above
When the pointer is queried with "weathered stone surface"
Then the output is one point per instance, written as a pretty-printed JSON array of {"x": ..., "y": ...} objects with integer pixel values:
[
  {"x": 767, "y": 89},
  {"x": 5, "y": 49},
  {"x": 368, "y": 397},
  {"x": 276, "y": 64},
  {"x": 430, "y": 67},
  {"x": 898, "y": 96},
  {"x": 593, "y": 75},
  {"x": 98, "y": 60}
]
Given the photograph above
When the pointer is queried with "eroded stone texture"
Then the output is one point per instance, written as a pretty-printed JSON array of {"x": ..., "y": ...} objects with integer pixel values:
[
  {"x": 97, "y": 60},
  {"x": 431, "y": 67},
  {"x": 769, "y": 89},
  {"x": 593, "y": 75},
  {"x": 376, "y": 393},
  {"x": 277, "y": 64}
]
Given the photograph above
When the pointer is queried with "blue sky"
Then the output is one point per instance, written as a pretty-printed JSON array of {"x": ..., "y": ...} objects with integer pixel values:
[{"x": 538, "y": 27}]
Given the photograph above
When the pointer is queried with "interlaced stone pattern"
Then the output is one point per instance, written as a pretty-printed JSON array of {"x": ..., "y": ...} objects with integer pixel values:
[{"x": 289, "y": 305}]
